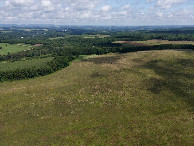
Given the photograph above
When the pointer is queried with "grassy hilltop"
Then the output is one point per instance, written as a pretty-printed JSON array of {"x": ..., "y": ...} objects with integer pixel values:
[{"x": 139, "y": 98}]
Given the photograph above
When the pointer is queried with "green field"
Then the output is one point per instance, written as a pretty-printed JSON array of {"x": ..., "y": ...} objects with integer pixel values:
[
  {"x": 13, "y": 48},
  {"x": 56, "y": 38},
  {"x": 139, "y": 98},
  {"x": 4, "y": 65},
  {"x": 95, "y": 36}
]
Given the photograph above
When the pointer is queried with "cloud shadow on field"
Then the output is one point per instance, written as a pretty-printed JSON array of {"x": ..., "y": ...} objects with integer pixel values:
[
  {"x": 175, "y": 76},
  {"x": 103, "y": 60},
  {"x": 97, "y": 75}
]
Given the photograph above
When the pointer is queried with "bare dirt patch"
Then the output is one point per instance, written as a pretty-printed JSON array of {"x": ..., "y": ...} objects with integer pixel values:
[
  {"x": 121, "y": 42},
  {"x": 37, "y": 45}
]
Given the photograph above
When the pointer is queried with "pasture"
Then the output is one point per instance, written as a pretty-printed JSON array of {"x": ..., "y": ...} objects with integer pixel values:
[
  {"x": 139, "y": 98},
  {"x": 153, "y": 42},
  {"x": 95, "y": 36},
  {"x": 9, "y": 48},
  {"x": 38, "y": 63}
]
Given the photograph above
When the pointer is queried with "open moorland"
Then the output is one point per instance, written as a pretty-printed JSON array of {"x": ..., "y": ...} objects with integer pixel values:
[
  {"x": 138, "y": 98},
  {"x": 153, "y": 42}
]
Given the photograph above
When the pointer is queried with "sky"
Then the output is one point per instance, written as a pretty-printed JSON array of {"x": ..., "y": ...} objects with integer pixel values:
[{"x": 97, "y": 12}]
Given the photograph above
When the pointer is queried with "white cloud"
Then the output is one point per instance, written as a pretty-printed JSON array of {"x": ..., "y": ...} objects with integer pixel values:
[
  {"x": 106, "y": 8},
  {"x": 94, "y": 12},
  {"x": 168, "y": 3},
  {"x": 149, "y": 1},
  {"x": 126, "y": 7},
  {"x": 46, "y": 3},
  {"x": 159, "y": 14},
  {"x": 82, "y": 5},
  {"x": 18, "y": 3}
]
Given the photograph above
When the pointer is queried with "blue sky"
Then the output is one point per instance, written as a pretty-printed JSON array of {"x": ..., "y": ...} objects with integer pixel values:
[{"x": 97, "y": 12}]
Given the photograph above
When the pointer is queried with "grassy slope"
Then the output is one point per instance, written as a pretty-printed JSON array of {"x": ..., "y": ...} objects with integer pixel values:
[
  {"x": 11, "y": 48},
  {"x": 141, "y": 98},
  {"x": 160, "y": 42},
  {"x": 24, "y": 64},
  {"x": 154, "y": 42}
]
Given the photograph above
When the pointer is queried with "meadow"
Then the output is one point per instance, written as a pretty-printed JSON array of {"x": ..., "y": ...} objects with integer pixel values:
[
  {"x": 139, "y": 98},
  {"x": 38, "y": 63},
  {"x": 9, "y": 48}
]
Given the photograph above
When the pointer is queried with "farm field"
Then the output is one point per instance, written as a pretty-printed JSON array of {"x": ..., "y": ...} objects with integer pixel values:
[
  {"x": 154, "y": 42},
  {"x": 83, "y": 36},
  {"x": 139, "y": 98},
  {"x": 3, "y": 31},
  {"x": 95, "y": 36},
  {"x": 13, "y": 48},
  {"x": 34, "y": 29},
  {"x": 24, "y": 64},
  {"x": 66, "y": 36},
  {"x": 56, "y": 38}
]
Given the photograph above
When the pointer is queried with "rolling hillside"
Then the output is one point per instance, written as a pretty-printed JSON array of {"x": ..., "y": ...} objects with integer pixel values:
[{"x": 139, "y": 98}]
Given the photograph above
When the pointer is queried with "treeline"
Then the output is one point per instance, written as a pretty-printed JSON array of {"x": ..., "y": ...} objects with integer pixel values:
[
  {"x": 33, "y": 53},
  {"x": 147, "y": 35},
  {"x": 57, "y": 63},
  {"x": 130, "y": 48}
]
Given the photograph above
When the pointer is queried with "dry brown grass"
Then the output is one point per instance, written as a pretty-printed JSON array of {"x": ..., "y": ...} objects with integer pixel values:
[
  {"x": 154, "y": 42},
  {"x": 37, "y": 45}
]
